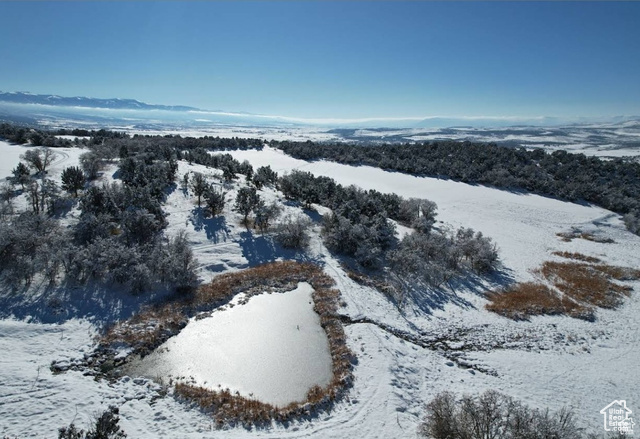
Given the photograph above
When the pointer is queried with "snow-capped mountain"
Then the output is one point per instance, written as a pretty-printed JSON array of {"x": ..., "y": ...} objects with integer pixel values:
[{"x": 80, "y": 101}]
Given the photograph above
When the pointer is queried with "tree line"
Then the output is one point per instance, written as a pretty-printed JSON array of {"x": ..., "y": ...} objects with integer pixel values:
[{"x": 613, "y": 184}]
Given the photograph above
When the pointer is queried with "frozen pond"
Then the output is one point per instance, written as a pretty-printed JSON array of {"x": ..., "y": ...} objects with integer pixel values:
[{"x": 272, "y": 348}]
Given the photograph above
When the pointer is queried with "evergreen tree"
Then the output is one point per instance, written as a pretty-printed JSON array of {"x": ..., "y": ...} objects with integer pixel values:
[
  {"x": 214, "y": 200},
  {"x": 21, "y": 174},
  {"x": 246, "y": 201},
  {"x": 199, "y": 186},
  {"x": 72, "y": 180}
]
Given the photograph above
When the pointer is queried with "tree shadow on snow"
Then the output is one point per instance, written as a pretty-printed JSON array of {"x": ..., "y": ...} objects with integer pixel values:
[
  {"x": 215, "y": 228},
  {"x": 59, "y": 303},
  {"x": 313, "y": 215},
  {"x": 262, "y": 249},
  {"x": 428, "y": 298}
]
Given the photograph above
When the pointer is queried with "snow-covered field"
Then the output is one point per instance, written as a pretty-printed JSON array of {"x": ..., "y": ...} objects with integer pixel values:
[{"x": 546, "y": 362}]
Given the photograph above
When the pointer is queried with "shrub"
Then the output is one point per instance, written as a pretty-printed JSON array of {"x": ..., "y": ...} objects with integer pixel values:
[
  {"x": 106, "y": 427},
  {"x": 293, "y": 232},
  {"x": 494, "y": 415},
  {"x": 526, "y": 299},
  {"x": 588, "y": 283}
]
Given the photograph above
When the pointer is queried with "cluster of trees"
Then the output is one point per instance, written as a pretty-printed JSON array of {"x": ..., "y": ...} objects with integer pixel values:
[
  {"x": 290, "y": 232},
  {"x": 358, "y": 226},
  {"x": 494, "y": 415},
  {"x": 436, "y": 258},
  {"x": 214, "y": 197},
  {"x": 43, "y": 193},
  {"x": 119, "y": 234},
  {"x": 28, "y": 243},
  {"x": 118, "y": 140},
  {"x": 23, "y": 135},
  {"x": 225, "y": 162},
  {"x": 613, "y": 184},
  {"x": 117, "y": 240}
]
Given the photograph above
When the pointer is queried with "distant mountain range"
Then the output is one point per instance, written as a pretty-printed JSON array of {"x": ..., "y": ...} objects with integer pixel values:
[
  {"x": 78, "y": 101},
  {"x": 15, "y": 105}
]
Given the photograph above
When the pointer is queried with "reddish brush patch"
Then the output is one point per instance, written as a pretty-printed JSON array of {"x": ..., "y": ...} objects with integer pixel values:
[
  {"x": 154, "y": 325},
  {"x": 520, "y": 301},
  {"x": 577, "y": 257},
  {"x": 591, "y": 284},
  {"x": 573, "y": 289}
]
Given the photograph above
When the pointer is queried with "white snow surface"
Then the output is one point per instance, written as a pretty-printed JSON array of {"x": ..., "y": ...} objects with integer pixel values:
[{"x": 547, "y": 361}]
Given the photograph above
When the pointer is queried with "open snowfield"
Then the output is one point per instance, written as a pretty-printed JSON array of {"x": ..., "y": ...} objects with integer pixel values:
[
  {"x": 546, "y": 362},
  {"x": 10, "y": 156}
]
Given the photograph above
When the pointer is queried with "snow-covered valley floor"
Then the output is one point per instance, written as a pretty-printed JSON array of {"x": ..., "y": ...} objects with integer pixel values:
[{"x": 545, "y": 362}]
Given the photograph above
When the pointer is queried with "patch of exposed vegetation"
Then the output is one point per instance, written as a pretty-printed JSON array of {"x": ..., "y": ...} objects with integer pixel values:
[
  {"x": 591, "y": 284},
  {"x": 151, "y": 327},
  {"x": 577, "y": 257},
  {"x": 575, "y": 289},
  {"x": 522, "y": 300},
  {"x": 577, "y": 233}
]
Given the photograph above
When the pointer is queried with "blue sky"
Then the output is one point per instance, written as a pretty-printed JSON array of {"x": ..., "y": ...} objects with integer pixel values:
[{"x": 333, "y": 59}]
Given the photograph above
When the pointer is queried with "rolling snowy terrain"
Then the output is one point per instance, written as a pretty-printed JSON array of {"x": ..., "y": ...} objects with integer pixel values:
[
  {"x": 607, "y": 137},
  {"x": 546, "y": 362}
]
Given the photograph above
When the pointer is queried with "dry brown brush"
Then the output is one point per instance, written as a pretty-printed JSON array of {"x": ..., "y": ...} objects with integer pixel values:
[
  {"x": 577, "y": 257},
  {"x": 576, "y": 233},
  {"x": 154, "y": 325},
  {"x": 522, "y": 300},
  {"x": 575, "y": 289}
]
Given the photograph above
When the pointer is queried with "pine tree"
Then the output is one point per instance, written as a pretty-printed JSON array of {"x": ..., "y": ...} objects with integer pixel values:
[
  {"x": 246, "y": 200},
  {"x": 72, "y": 180},
  {"x": 214, "y": 200},
  {"x": 199, "y": 186},
  {"x": 21, "y": 174}
]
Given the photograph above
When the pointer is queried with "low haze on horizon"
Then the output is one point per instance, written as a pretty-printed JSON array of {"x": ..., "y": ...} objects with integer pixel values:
[{"x": 333, "y": 60}]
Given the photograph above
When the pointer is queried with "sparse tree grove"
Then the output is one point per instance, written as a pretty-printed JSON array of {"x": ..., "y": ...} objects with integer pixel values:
[{"x": 118, "y": 238}]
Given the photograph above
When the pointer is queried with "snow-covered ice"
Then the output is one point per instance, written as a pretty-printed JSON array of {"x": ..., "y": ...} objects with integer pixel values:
[{"x": 272, "y": 348}]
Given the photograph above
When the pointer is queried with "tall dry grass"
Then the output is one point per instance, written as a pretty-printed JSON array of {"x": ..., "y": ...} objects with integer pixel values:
[
  {"x": 520, "y": 301},
  {"x": 575, "y": 289},
  {"x": 577, "y": 257},
  {"x": 591, "y": 284}
]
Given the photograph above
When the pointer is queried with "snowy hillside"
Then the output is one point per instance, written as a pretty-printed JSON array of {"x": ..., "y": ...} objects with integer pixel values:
[{"x": 546, "y": 361}]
